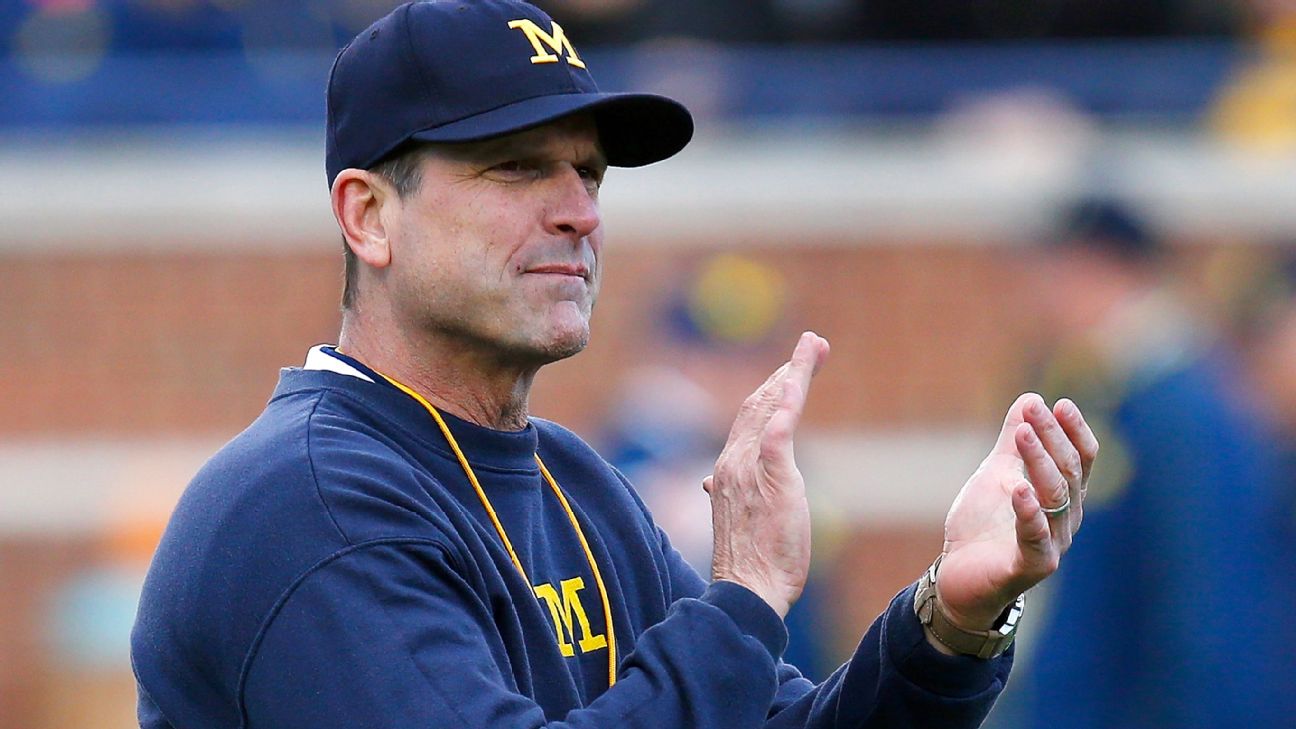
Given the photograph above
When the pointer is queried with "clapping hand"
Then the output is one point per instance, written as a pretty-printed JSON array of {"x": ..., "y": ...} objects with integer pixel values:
[
  {"x": 1015, "y": 517},
  {"x": 759, "y": 513}
]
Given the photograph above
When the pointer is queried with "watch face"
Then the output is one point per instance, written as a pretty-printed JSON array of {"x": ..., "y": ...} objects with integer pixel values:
[{"x": 1012, "y": 616}]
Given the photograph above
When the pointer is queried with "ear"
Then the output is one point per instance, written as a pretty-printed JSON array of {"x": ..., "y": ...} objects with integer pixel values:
[{"x": 358, "y": 197}]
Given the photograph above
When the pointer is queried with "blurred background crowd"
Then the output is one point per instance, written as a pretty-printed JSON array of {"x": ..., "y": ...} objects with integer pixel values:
[
  {"x": 236, "y": 24},
  {"x": 1089, "y": 198}
]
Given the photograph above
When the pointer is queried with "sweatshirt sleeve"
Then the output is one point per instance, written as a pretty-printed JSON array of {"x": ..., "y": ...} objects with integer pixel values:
[
  {"x": 390, "y": 635},
  {"x": 894, "y": 679}
]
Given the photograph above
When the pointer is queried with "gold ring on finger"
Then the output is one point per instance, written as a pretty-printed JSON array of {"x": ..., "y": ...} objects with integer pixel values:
[{"x": 1058, "y": 510}]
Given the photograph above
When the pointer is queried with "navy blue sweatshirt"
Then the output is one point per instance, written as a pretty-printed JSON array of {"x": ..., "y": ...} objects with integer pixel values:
[{"x": 332, "y": 567}]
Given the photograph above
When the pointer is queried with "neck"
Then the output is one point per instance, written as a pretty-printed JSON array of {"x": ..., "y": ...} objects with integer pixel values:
[{"x": 456, "y": 378}]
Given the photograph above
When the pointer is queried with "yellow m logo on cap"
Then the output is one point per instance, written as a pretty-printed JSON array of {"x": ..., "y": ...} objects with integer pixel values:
[{"x": 556, "y": 42}]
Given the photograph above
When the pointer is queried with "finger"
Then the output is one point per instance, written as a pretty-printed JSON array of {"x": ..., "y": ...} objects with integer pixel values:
[
  {"x": 1051, "y": 487},
  {"x": 1057, "y": 443},
  {"x": 809, "y": 355},
  {"x": 1015, "y": 417},
  {"x": 756, "y": 409},
  {"x": 1033, "y": 533},
  {"x": 1080, "y": 434},
  {"x": 754, "y": 415},
  {"x": 1034, "y": 536}
]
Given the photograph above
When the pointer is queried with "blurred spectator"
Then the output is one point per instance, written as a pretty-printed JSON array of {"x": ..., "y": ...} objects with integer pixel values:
[
  {"x": 664, "y": 433},
  {"x": 746, "y": 21},
  {"x": 134, "y": 26},
  {"x": 1254, "y": 288},
  {"x": 174, "y": 25},
  {"x": 1257, "y": 109},
  {"x": 1266, "y": 334},
  {"x": 724, "y": 21},
  {"x": 1269, "y": 342},
  {"x": 1133, "y": 637},
  {"x": 598, "y": 22},
  {"x": 1004, "y": 19}
]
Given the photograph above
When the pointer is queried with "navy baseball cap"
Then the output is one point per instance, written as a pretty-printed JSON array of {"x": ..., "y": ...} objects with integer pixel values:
[
  {"x": 1108, "y": 224},
  {"x": 465, "y": 70}
]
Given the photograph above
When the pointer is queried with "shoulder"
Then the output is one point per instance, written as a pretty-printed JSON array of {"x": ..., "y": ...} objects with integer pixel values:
[
  {"x": 321, "y": 474},
  {"x": 303, "y": 435},
  {"x": 319, "y": 470},
  {"x": 375, "y": 475}
]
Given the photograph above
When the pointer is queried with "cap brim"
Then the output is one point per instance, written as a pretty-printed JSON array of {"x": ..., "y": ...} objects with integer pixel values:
[{"x": 634, "y": 129}]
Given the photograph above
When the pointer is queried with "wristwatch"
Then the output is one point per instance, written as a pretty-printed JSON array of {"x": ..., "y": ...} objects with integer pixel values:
[{"x": 979, "y": 643}]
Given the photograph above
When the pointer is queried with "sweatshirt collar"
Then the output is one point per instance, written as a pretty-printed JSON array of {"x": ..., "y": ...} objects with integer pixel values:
[
  {"x": 326, "y": 357},
  {"x": 484, "y": 447}
]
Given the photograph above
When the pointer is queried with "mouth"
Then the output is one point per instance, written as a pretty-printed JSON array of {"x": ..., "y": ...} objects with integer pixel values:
[{"x": 574, "y": 270}]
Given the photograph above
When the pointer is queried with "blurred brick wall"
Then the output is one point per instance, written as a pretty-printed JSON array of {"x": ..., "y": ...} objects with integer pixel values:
[
  {"x": 137, "y": 344},
  {"x": 32, "y": 569},
  {"x": 128, "y": 344}
]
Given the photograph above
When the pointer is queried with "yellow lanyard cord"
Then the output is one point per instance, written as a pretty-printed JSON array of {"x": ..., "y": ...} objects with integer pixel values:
[
  {"x": 508, "y": 545},
  {"x": 598, "y": 578}
]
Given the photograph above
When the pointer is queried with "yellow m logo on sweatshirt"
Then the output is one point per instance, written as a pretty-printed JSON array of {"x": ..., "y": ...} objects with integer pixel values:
[{"x": 567, "y": 612}]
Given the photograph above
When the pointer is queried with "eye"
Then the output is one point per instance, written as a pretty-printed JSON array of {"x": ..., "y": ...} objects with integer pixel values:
[
  {"x": 512, "y": 170},
  {"x": 592, "y": 175}
]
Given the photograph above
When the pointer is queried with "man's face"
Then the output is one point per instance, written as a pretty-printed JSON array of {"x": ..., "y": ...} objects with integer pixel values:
[{"x": 499, "y": 250}]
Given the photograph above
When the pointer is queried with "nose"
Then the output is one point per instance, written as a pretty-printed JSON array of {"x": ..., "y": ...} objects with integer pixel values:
[{"x": 573, "y": 209}]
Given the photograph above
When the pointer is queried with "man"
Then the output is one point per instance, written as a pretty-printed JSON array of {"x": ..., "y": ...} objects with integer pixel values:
[
  {"x": 1194, "y": 506},
  {"x": 396, "y": 543}
]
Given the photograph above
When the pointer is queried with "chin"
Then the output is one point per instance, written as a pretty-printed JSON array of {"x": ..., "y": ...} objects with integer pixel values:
[
  {"x": 568, "y": 334},
  {"x": 566, "y": 346},
  {"x": 558, "y": 334},
  {"x": 543, "y": 350}
]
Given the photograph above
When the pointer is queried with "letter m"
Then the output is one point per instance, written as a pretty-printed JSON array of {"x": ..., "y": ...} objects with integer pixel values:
[
  {"x": 567, "y": 611},
  {"x": 544, "y": 42}
]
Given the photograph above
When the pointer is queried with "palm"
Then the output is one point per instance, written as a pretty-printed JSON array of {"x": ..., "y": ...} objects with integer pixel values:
[
  {"x": 998, "y": 541},
  {"x": 982, "y": 553}
]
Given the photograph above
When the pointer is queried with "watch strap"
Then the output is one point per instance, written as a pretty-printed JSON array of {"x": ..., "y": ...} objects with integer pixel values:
[{"x": 979, "y": 643}]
